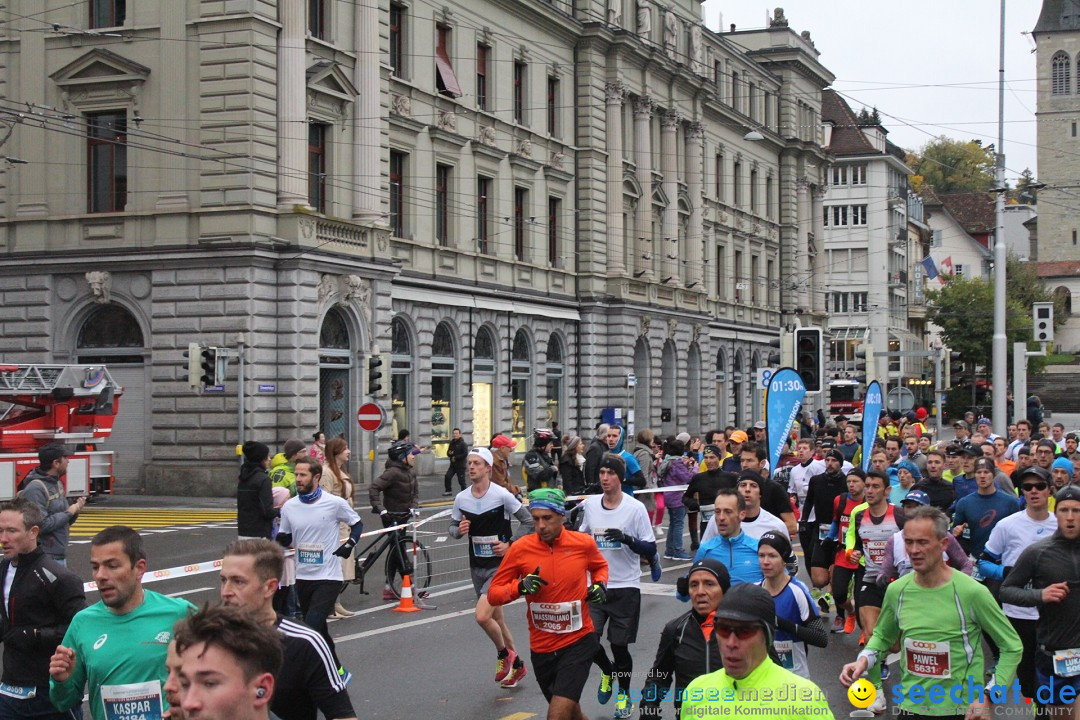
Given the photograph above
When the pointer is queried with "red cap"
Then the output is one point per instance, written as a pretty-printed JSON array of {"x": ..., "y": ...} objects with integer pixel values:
[
  {"x": 501, "y": 441},
  {"x": 921, "y": 413}
]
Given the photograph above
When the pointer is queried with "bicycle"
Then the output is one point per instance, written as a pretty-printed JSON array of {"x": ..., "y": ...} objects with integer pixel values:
[{"x": 406, "y": 556}]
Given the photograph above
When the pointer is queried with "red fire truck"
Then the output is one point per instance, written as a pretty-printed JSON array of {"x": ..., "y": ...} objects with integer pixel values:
[{"x": 71, "y": 404}]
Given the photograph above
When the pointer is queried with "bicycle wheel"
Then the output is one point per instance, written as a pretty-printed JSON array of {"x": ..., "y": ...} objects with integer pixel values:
[{"x": 417, "y": 556}]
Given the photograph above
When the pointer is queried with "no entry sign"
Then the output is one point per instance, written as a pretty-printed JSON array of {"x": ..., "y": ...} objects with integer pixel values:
[{"x": 370, "y": 416}]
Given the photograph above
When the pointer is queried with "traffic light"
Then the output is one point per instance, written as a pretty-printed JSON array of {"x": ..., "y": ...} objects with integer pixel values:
[
  {"x": 193, "y": 355},
  {"x": 809, "y": 357},
  {"x": 374, "y": 376},
  {"x": 864, "y": 363},
  {"x": 1043, "y": 313},
  {"x": 209, "y": 367}
]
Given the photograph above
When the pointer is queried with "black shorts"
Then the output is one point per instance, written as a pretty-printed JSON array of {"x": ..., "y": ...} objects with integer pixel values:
[
  {"x": 564, "y": 672},
  {"x": 622, "y": 609},
  {"x": 869, "y": 594},
  {"x": 824, "y": 554}
]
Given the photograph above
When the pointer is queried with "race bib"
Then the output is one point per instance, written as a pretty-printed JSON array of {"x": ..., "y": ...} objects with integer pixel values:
[
  {"x": 875, "y": 551},
  {"x": 483, "y": 546},
  {"x": 823, "y": 532},
  {"x": 309, "y": 554},
  {"x": 605, "y": 543},
  {"x": 18, "y": 692},
  {"x": 1067, "y": 662},
  {"x": 785, "y": 650},
  {"x": 927, "y": 659},
  {"x": 136, "y": 701},
  {"x": 560, "y": 618}
]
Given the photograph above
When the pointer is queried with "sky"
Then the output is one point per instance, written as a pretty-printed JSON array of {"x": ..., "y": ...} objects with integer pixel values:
[{"x": 929, "y": 66}]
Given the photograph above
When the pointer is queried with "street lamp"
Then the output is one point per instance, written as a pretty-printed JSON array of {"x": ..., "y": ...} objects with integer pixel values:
[{"x": 753, "y": 135}]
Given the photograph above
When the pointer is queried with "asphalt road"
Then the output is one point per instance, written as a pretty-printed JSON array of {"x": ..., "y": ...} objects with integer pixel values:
[{"x": 437, "y": 663}]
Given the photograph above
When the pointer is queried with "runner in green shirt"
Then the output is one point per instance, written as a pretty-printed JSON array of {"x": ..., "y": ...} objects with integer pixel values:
[
  {"x": 745, "y": 622},
  {"x": 117, "y": 646},
  {"x": 938, "y": 616}
]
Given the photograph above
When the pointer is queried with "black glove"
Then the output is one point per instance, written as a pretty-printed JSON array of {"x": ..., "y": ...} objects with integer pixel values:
[
  {"x": 530, "y": 584},
  {"x": 284, "y": 539},
  {"x": 619, "y": 536},
  {"x": 785, "y": 625},
  {"x": 597, "y": 594},
  {"x": 387, "y": 520},
  {"x": 346, "y": 548},
  {"x": 682, "y": 585},
  {"x": 691, "y": 504}
]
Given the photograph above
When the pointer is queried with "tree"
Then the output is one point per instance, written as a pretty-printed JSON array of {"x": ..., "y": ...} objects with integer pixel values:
[
  {"x": 953, "y": 166},
  {"x": 868, "y": 118},
  {"x": 1024, "y": 192}
]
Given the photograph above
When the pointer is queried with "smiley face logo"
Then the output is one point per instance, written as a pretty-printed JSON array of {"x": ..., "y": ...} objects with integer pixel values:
[{"x": 862, "y": 693}]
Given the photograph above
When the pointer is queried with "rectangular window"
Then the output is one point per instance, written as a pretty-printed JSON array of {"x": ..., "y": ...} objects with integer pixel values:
[
  {"x": 483, "y": 213},
  {"x": 397, "y": 41},
  {"x": 858, "y": 302},
  {"x": 736, "y": 184},
  {"x": 770, "y": 280},
  {"x": 936, "y": 238},
  {"x": 755, "y": 279},
  {"x": 768, "y": 110},
  {"x": 106, "y": 161},
  {"x": 1074, "y": 237},
  {"x": 719, "y": 177},
  {"x": 721, "y": 272},
  {"x": 521, "y": 199},
  {"x": 839, "y": 175},
  {"x": 768, "y": 196},
  {"x": 107, "y": 13},
  {"x": 858, "y": 214},
  {"x": 738, "y": 276},
  {"x": 519, "y": 92},
  {"x": 442, "y": 204},
  {"x": 482, "y": 76},
  {"x": 858, "y": 174},
  {"x": 317, "y": 133},
  {"x": 552, "y": 105},
  {"x": 752, "y": 98},
  {"x": 446, "y": 82},
  {"x": 753, "y": 191},
  {"x": 735, "y": 90},
  {"x": 958, "y": 270},
  {"x": 397, "y": 193},
  {"x": 839, "y": 216},
  {"x": 317, "y": 20},
  {"x": 718, "y": 77},
  {"x": 1074, "y": 129},
  {"x": 553, "y": 232}
]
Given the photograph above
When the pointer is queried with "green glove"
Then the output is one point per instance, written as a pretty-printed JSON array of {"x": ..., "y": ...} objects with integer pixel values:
[
  {"x": 530, "y": 584},
  {"x": 597, "y": 594}
]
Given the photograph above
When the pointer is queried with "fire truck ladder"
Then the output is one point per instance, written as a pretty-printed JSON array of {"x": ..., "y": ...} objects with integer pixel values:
[{"x": 70, "y": 380}]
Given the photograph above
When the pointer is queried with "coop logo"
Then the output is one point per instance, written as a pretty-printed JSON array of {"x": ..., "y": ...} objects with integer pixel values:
[{"x": 921, "y": 645}]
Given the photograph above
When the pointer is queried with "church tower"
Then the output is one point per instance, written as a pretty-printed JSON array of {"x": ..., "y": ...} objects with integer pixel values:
[{"x": 1057, "y": 38}]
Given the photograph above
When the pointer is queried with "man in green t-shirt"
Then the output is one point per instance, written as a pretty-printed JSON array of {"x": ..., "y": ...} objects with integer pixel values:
[
  {"x": 938, "y": 616},
  {"x": 751, "y": 680},
  {"x": 117, "y": 646}
]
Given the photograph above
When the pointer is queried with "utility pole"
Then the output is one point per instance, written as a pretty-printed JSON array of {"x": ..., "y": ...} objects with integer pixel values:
[{"x": 1000, "y": 344}]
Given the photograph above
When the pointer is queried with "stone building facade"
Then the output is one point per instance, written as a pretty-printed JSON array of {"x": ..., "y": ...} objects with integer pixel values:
[{"x": 520, "y": 203}]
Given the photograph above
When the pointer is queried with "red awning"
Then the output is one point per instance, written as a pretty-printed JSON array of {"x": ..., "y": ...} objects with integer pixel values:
[{"x": 445, "y": 74}]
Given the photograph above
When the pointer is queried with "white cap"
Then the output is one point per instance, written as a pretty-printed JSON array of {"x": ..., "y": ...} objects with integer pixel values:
[{"x": 483, "y": 453}]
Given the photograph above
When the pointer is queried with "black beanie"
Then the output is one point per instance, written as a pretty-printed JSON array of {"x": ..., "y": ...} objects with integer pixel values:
[
  {"x": 779, "y": 543},
  {"x": 255, "y": 452},
  {"x": 614, "y": 463}
]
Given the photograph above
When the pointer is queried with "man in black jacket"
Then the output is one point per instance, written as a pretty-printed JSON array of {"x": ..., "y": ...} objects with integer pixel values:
[
  {"x": 255, "y": 510},
  {"x": 596, "y": 451},
  {"x": 34, "y": 613},
  {"x": 688, "y": 645},
  {"x": 456, "y": 452},
  {"x": 818, "y": 510}
]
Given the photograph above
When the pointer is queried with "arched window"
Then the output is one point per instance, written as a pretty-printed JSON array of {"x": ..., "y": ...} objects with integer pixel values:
[
  {"x": 401, "y": 365},
  {"x": 693, "y": 389},
  {"x": 669, "y": 390},
  {"x": 643, "y": 375},
  {"x": 483, "y": 360},
  {"x": 335, "y": 361},
  {"x": 520, "y": 396},
  {"x": 443, "y": 388},
  {"x": 1060, "y": 67},
  {"x": 555, "y": 372},
  {"x": 1063, "y": 297},
  {"x": 110, "y": 335}
]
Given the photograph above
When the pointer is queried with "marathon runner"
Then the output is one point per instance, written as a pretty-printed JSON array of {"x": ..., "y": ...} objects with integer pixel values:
[
  {"x": 116, "y": 647},
  {"x": 845, "y": 571},
  {"x": 818, "y": 507},
  {"x": 558, "y": 571},
  {"x": 1047, "y": 576},
  {"x": 482, "y": 513},
  {"x": 689, "y": 647},
  {"x": 797, "y": 621},
  {"x": 620, "y": 525}
]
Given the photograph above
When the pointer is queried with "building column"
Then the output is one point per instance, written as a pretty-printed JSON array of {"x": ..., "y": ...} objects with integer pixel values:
[
  {"x": 644, "y": 250},
  {"x": 804, "y": 231},
  {"x": 669, "y": 166},
  {"x": 695, "y": 253},
  {"x": 614, "y": 93},
  {"x": 292, "y": 100},
  {"x": 367, "y": 120}
]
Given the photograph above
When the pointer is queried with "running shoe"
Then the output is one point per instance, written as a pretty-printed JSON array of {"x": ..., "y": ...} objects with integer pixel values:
[
  {"x": 503, "y": 665},
  {"x": 603, "y": 693},
  {"x": 884, "y": 670},
  {"x": 862, "y": 638},
  {"x": 838, "y": 624},
  {"x": 824, "y": 601},
  {"x": 517, "y": 674},
  {"x": 654, "y": 567},
  {"x": 447, "y": 493},
  {"x": 624, "y": 708},
  {"x": 849, "y": 624},
  {"x": 879, "y": 705}
]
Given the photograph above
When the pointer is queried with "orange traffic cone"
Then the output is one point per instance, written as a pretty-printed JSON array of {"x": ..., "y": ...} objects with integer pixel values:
[{"x": 406, "y": 605}]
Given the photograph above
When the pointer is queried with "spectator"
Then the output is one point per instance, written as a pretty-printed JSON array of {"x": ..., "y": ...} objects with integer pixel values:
[
  {"x": 42, "y": 487},
  {"x": 255, "y": 510},
  {"x": 283, "y": 466},
  {"x": 456, "y": 452},
  {"x": 317, "y": 451}
]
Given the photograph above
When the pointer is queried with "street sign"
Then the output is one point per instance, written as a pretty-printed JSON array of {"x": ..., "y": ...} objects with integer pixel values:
[
  {"x": 901, "y": 399},
  {"x": 267, "y": 387},
  {"x": 370, "y": 416},
  {"x": 763, "y": 377}
]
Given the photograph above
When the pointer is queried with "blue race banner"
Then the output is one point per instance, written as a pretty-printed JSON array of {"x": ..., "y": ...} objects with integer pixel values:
[
  {"x": 783, "y": 398},
  {"x": 870, "y": 413}
]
